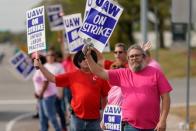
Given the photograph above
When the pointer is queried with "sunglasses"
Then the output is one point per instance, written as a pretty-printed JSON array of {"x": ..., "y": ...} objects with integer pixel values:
[{"x": 118, "y": 52}]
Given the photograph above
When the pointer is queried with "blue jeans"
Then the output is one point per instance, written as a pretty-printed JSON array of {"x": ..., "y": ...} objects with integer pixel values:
[
  {"x": 67, "y": 98},
  {"x": 47, "y": 110},
  {"x": 128, "y": 127},
  {"x": 78, "y": 124},
  {"x": 60, "y": 112},
  {"x": 67, "y": 95}
]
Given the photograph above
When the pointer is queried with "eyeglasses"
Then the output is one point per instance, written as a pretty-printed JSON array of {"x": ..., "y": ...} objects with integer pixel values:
[
  {"x": 118, "y": 52},
  {"x": 135, "y": 55}
]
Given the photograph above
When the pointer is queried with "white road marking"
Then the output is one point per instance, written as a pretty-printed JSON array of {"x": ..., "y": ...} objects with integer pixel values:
[
  {"x": 17, "y": 102},
  {"x": 11, "y": 123}
]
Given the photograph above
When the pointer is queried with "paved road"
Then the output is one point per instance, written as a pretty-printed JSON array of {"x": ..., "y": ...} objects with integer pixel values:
[
  {"x": 178, "y": 98},
  {"x": 16, "y": 95},
  {"x": 178, "y": 94},
  {"x": 17, "y": 102}
]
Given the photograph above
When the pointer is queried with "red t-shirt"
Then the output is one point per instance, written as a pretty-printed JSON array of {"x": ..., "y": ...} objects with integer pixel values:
[
  {"x": 108, "y": 63},
  {"x": 87, "y": 90}
]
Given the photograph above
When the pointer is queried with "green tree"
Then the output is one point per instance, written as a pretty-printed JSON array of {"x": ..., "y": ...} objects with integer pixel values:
[
  {"x": 125, "y": 27},
  {"x": 162, "y": 11}
]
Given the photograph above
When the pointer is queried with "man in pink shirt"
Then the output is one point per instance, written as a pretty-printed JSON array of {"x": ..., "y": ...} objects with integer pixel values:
[{"x": 143, "y": 89}]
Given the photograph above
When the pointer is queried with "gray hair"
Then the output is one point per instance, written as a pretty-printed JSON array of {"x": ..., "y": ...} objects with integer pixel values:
[{"x": 137, "y": 47}]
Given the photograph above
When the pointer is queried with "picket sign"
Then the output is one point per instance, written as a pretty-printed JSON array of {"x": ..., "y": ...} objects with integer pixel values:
[
  {"x": 55, "y": 13},
  {"x": 112, "y": 116},
  {"x": 35, "y": 20},
  {"x": 72, "y": 24},
  {"x": 87, "y": 8},
  {"x": 100, "y": 22},
  {"x": 22, "y": 64}
]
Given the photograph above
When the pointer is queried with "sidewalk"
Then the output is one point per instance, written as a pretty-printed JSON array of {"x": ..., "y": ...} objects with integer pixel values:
[
  {"x": 173, "y": 123},
  {"x": 30, "y": 124}
]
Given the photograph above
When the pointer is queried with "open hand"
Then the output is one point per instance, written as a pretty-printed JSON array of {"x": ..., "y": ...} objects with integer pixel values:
[
  {"x": 146, "y": 46},
  {"x": 87, "y": 46},
  {"x": 37, "y": 63}
]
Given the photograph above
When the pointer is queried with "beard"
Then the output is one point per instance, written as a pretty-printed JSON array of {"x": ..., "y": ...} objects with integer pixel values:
[{"x": 137, "y": 68}]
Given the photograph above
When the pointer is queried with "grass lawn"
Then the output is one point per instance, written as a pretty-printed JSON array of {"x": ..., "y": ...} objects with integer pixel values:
[
  {"x": 173, "y": 61},
  {"x": 181, "y": 111}
]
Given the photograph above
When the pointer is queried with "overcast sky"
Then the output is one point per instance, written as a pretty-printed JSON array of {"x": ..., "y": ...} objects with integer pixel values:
[{"x": 12, "y": 14}]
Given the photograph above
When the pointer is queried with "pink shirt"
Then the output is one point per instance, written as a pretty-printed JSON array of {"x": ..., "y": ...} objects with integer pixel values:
[
  {"x": 115, "y": 96},
  {"x": 141, "y": 95},
  {"x": 155, "y": 64},
  {"x": 38, "y": 79}
]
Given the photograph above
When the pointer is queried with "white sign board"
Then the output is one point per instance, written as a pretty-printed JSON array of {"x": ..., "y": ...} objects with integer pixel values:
[
  {"x": 55, "y": 13},
  {"x": 35, "y": 20},
  {"x": 72, "y": 24},
  {"x": 107, "y": 48},
  {"x": 88, "y": 7},
  {"x": 112, "y": 117},
  {"x": 100, "y": 22},
  {"x": 22, "y": 64}
]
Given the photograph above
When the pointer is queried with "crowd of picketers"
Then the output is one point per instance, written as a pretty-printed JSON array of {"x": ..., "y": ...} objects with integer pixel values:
[{"x": 72, "y": 91}]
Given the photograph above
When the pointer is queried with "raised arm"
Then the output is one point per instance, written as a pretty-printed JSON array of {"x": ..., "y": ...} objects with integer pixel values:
[
  {"x": 94, "y": 67},
  {"x": 100, "y": 57},
  {"x": 46, "y": 73}
]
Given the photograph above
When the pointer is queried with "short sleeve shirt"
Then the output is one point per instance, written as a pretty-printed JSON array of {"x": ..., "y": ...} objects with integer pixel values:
[
  {"x": 87, "y": 90},
  {"x": 141, "y": 94}
]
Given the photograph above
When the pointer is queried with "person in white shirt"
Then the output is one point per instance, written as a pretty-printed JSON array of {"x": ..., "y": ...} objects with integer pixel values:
[{"x": 48, "y": 96}]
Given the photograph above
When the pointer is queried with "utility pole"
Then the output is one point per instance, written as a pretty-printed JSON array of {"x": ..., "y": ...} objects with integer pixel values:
[
  {"x": 144, "y": 21},
  {"x": 188, "y": 65}
]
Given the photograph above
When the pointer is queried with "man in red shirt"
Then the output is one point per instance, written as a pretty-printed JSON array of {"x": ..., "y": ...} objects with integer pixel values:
[
  {"x": 120, "y": 54},
  {"x": 86, "y": 89}
]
